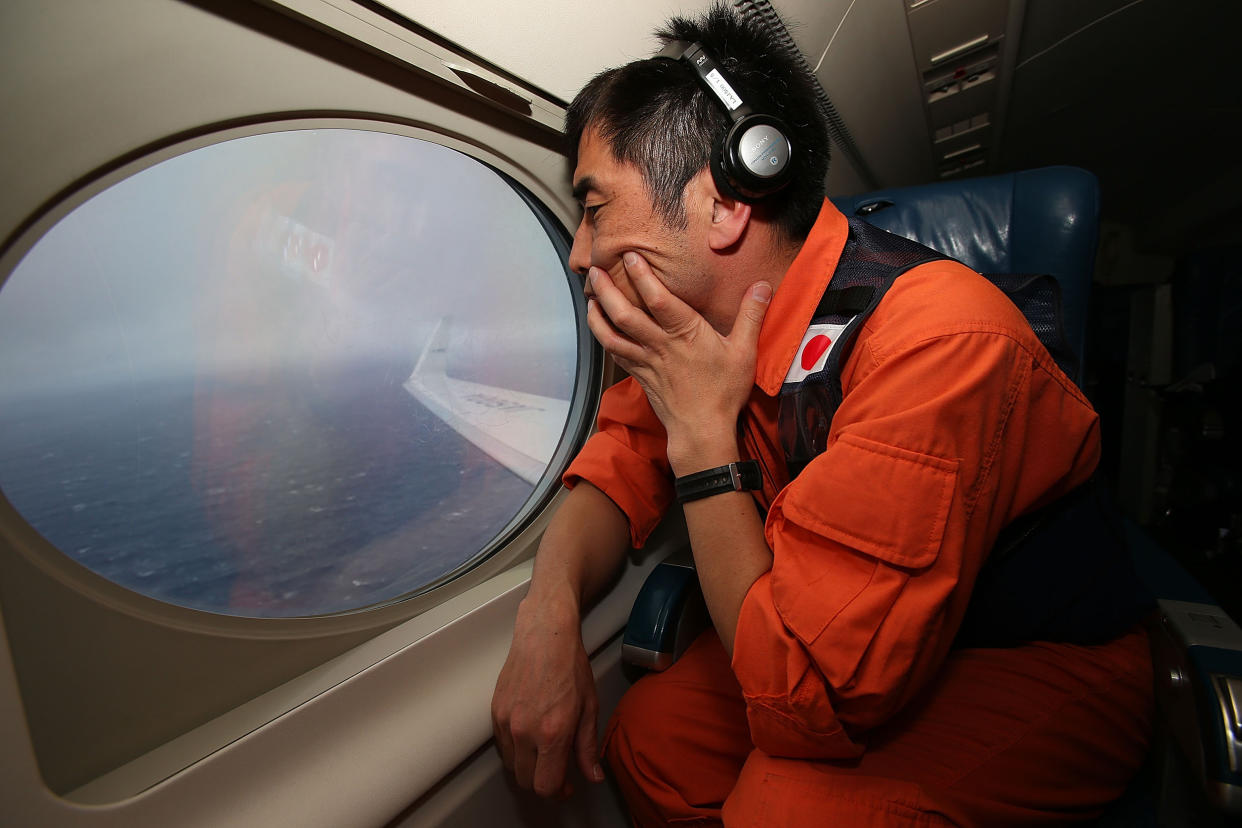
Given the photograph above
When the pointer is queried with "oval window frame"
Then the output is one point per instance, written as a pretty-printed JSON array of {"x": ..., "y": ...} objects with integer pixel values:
[{"x": 489, "y": 561}]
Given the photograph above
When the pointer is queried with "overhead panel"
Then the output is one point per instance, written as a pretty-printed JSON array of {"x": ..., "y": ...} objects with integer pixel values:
[
  {"x": 962, "y": 50},
  {"x": 863, "y": 61}
]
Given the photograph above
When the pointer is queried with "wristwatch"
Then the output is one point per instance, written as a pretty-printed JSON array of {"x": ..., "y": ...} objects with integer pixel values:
[{"x": 735, "y": 477}]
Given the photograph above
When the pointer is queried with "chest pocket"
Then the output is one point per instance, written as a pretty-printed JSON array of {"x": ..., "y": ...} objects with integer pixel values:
[{"x": 899, "y": 503}]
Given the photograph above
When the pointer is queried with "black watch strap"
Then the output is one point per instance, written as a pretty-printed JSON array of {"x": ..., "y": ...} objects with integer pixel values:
[{"x": 735, "y": 477}]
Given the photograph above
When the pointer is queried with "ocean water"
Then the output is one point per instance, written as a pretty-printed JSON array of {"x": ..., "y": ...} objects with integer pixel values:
[{"x": 276, "y": 500}]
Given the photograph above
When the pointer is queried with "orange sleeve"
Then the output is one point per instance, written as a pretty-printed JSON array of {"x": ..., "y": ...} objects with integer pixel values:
[
  {"x": 627, "y": 459},
  {"x": 940, "y": 441}
]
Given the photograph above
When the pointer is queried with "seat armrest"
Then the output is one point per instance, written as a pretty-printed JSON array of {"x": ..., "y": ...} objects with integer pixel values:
[
  {"x": 668, "y": 614},
  {"x": 1197, "y": 659}
]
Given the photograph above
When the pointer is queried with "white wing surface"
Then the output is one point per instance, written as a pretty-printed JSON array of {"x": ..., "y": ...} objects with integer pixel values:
[{"x": 516, "y": 429}]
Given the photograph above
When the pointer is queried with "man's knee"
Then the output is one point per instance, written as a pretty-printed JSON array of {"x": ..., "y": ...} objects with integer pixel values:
[
  {"x": 630, "y": 746},
  {"x": 640, "y": 758},
  {"x": 686, "y": 723},
  {"x": 677, "y": 741},
  {"x": 808, "y": 794}
]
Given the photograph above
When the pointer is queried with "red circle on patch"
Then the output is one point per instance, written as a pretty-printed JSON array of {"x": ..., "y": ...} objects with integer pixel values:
[{"x": 814, "y": 350}]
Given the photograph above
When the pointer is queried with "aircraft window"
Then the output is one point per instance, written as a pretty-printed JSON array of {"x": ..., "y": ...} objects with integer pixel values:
[{"x": 289, "y": 374}]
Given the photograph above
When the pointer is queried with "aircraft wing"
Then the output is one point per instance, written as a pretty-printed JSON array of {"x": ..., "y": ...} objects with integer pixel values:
[{"x": 516, "y": 429}]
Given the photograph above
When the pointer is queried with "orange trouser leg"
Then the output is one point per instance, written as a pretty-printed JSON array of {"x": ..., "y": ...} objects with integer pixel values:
[
  {"x": 1032, "y": 735},
  {"x": 678, "y": 739},
  {"x": 1021, "y": 736}
]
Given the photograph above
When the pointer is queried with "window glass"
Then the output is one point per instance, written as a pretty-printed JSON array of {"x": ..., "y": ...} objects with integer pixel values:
[{"x": 289, "y": 374}]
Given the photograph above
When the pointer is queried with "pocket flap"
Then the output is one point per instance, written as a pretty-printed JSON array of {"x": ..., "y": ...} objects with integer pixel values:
[{"x": 885, "y": 501}]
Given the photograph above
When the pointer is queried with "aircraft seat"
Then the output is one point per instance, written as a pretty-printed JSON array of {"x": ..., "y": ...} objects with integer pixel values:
[
  {"x": 1039, "y": 221},
  {"x": 1036, "y": 221}
]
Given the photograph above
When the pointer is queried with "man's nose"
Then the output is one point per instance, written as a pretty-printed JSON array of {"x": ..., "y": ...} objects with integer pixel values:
[{"x": 580, "y": 253}]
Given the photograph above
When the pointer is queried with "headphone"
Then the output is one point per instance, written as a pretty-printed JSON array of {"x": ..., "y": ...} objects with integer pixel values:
[{"x": 754, "y": 159}]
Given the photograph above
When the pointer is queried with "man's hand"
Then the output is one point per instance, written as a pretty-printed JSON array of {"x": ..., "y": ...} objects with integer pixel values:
[
  {"x": 696, "y": 379},
  {"x": 545, "y": 706}
]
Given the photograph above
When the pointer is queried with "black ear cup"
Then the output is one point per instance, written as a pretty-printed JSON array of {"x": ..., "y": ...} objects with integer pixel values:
[
  {"x": 724, "y": 181},
  {"x": 756, "y": 156},
  {"x": 755, "y": 159}
]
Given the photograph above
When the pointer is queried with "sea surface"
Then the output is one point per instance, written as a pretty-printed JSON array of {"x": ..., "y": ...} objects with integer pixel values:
[{"x": 254, "y": 500}]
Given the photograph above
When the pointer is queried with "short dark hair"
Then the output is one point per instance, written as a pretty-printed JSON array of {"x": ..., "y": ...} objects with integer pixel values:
[{"x": 655, "y": 114}]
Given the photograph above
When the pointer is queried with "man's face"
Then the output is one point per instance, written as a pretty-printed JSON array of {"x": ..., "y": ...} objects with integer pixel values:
[{"x": 618, "y": 216}]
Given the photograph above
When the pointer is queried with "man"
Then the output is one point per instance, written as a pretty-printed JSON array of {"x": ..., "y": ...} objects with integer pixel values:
[{"x": 829, "y": 692}]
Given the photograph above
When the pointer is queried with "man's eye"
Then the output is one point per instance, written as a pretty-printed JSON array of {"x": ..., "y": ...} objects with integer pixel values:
[{"x": 591, "y": 210}]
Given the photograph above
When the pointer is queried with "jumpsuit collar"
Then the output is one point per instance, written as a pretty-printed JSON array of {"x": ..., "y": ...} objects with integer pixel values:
[{"x": 795, "y": 300}]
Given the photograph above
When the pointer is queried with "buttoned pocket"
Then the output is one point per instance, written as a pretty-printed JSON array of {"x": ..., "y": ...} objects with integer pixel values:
[
  {"x": 849, "y": 533},
  {"x": 888, "y": 502}
]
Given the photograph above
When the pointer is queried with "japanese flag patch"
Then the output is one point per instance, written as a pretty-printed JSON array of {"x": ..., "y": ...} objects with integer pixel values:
[{"x": 813, "y": 353}]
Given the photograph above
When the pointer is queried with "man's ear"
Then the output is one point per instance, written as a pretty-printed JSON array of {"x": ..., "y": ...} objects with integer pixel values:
[
  {"x": 728, "y": 216},
  {"x": 729, "y": 219}
]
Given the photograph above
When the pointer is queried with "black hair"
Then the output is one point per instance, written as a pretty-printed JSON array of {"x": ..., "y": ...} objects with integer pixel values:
[{"x": 656, "y": 115}]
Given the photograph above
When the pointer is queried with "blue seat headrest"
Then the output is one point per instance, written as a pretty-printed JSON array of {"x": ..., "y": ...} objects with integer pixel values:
[{"x": 1037, "y": 221}]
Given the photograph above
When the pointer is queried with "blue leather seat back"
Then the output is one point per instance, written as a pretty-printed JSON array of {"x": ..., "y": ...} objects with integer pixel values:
[{"x": 1035, "y": 221}]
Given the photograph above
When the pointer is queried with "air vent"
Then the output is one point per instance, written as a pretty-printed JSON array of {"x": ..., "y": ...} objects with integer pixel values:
[
  {"x": 966, "y": 162},
  {"x": 967, "y": 126},
  {"x": 945, "y": 81},
  {"x": 959, "y": 47}
]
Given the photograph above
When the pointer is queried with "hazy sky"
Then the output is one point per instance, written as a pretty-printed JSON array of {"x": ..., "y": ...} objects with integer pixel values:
[{"x": 308, "y": 250}]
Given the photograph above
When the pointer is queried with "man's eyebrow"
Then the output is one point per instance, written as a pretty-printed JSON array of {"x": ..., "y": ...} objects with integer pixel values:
[{"x": 583, "y": 186}]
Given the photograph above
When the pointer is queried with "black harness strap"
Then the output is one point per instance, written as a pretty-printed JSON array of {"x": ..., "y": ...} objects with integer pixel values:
[{"x": 849, "y": 301}]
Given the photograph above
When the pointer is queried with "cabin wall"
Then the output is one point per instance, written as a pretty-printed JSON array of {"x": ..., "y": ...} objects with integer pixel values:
[{"x": 860, "y": 51}]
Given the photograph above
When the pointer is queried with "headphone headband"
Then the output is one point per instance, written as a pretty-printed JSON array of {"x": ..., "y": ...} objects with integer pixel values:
[
  {"x": 710, "y": 75},
  {"x": 754, "y": 160}
]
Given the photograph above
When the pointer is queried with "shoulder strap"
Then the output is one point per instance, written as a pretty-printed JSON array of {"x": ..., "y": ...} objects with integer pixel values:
[
  {"x": 1038, "y": 296},
  {"x": 870, "y": 262},
  {"x": 848, "y": 301}
]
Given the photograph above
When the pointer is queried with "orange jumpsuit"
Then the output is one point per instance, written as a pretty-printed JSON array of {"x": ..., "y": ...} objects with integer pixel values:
[{"x": 844, "y": 703}]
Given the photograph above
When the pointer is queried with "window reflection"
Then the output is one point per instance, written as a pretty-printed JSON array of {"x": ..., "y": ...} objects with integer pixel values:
[{"x": 207, "y": 372}]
